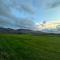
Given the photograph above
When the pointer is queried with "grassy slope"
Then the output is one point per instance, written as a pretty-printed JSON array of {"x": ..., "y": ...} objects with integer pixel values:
[{"x": 27, "y": 47}]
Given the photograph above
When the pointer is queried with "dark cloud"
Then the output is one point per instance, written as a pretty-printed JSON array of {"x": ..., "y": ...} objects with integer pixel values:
[
  {"x": 6, "y": 5},
  {"x": 25, "y": 23},
  {"x": 23, "y": 6},
  {"x": 8, "y": 20},
  {"x": 5, "y": 22},
  {"x": 54, "y": 3},
  {"x": 4, "y": 9},
  {"x": 17, "y": 23},
  {"x": 27, "y": 8}
]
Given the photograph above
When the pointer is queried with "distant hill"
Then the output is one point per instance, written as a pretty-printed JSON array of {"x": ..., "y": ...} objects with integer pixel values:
[
  {"x": 7, "y": 30},
  {"x": 21, "y": 31},
  {"x": 13, "y": 31}
]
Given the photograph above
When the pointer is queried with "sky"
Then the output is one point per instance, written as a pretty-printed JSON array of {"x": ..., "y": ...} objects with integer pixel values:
[{"x": 30, "y": 14}]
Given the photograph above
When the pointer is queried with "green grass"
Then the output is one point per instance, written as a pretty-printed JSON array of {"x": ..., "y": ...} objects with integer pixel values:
[{"x": 28, "y": 47}]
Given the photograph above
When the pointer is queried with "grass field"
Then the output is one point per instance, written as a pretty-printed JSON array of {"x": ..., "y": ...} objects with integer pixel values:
[{"x": 28, "y": 47}]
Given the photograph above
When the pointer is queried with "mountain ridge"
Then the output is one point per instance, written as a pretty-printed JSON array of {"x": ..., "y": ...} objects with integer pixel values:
[{"x": 22, "y": 31}]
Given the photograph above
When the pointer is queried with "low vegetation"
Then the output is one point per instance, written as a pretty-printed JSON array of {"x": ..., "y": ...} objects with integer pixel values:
[{"x": 28, "y": 47}]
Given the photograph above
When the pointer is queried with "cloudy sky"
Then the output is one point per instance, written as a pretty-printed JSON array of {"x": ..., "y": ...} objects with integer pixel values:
[{"x": 31, "y": 14}]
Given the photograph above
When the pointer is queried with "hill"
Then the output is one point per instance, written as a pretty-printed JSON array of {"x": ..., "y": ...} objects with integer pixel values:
[
  {"x": 19, "y": 31},
  {"x": 24, "y": 31}
]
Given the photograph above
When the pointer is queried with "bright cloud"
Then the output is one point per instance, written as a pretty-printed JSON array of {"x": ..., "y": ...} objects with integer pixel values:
[{"x": 48, "y": 25}]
